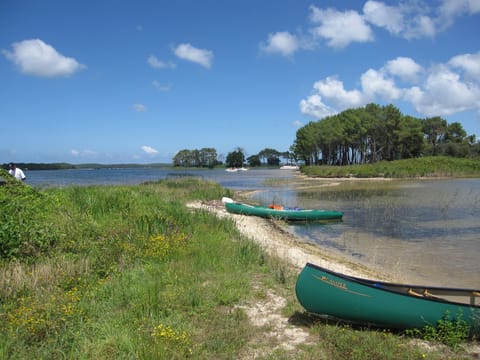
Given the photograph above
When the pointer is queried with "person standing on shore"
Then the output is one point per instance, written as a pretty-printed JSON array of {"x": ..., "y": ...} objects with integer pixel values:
[{"x": 17, "y": 173}]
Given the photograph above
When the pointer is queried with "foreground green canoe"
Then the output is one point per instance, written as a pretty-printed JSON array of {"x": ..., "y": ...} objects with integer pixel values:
[
  {"x": 323, "y": 292},
  {"x": 283, "y": 214}
]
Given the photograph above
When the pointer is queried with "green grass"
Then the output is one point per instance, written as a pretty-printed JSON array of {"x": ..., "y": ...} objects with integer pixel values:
[
  {"x": 129, "y": 272},
  {"x": 434, "y": 166}
]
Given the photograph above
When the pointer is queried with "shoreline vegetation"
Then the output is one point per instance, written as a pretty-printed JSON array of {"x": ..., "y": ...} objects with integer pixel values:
[
  {"x": 426, "y": 167},
  {"x": 160, "y": 270}
]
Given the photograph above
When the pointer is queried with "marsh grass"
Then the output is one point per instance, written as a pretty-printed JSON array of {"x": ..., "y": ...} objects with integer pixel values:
[
  {"x": 134, "y": 274},
  {"x": 433, "y": 166}
]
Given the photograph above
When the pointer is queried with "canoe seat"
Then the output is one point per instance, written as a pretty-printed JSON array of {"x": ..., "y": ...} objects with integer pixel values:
[
  {"x": 425, "y": 293},
  {"x": 414, "y": 293},
  {"x": 473, "y": 295}
]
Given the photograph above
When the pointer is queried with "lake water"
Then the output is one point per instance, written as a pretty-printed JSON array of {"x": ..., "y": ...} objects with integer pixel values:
[
  {"x": 418, "y": 230},
  {"x": 240, "y": 180}
]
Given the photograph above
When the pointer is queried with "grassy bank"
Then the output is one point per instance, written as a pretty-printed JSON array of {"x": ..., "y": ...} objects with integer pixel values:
[
  {"x": 433, "y": 166},
  {"x": 129, "y": 272}
]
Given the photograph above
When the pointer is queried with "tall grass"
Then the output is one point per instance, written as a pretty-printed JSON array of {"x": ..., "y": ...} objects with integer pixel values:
[
  {"x": 433, "y": 166},
  {"x": 134, "y": 274}
]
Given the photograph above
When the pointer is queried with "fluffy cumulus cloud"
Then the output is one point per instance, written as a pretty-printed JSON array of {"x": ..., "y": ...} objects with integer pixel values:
[
  {"x": 377, "y": 84},
  {"x": 382, "y": 15},
  {"x": 444, "y": 92},
  {"x": 408, "y": 20},
  {"x": 405, "y": 68},
  {"x": 282, "y": 43},
  {"x": 440, "y": 90},
  {"x": 314, "y": 106},
  {"x": 35, "y": 57},
  {"x": 149, "y": 150},
  {"x": 339, "y": 28},
  {"x": 417, "y": 19},
  {"x": 451, "y": 9},
  {"x": 470, "y": 63},
  {"x": 333, "y": 90},
  {"x": 200, "y": 56}
]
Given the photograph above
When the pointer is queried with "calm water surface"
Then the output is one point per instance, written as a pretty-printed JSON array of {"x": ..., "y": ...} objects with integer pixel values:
[{"x": 419, "y": 231}]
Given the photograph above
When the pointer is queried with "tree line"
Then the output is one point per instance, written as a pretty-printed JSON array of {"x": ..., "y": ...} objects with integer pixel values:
[
  {"x": 374, "y": 133},
  {"x": 208, "y": 158}
]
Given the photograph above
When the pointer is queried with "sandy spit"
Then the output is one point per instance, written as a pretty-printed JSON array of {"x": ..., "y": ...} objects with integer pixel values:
[{"x": 276, "y": 241}]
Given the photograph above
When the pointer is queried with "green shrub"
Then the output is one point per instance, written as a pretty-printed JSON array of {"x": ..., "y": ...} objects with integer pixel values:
[
  {"x": 447, "y": 331},
  {"x": 27, "y": 227}
]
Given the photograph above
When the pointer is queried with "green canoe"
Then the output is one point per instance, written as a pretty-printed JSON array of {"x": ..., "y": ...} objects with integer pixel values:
[
  {"x": 284, "y": 213},
  {"x": 324, "y": 292}
]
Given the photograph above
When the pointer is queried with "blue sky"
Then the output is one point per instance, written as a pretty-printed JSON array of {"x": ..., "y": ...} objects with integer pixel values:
[{"x": 112, "y": 81}]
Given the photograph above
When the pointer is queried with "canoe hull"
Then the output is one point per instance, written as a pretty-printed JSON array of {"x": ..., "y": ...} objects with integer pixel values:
[
  {"x": 324, "y": 292},
  {"x": 288, "y": 215}
]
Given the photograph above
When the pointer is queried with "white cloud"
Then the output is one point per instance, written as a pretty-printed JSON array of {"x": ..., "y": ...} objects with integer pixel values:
[
  {"x": 470, "y": 63},
  {"x": 405, "y": 68},
  {"x": 409, "y": 20},
  {"x": 297, "y": 123},
  {"x": 381, "y": 15},
  {"x": 282, "y": 43},
  {"x": 82, "y": 153},
  {"x": 419, "y": 27},
  {"x": 34, "y": 57},
  {"x": 375, "y": 83},
  {"x": 453, "y": 8},
  {"x": 200, "y": 56},
  {"x": 438, "y": 91},
  {"x": 314, "y": 106},
  {"x": 444, "y": 93},
  {"x": 333, "y": 91},
  {"x": 139, "y": 107},
  {"x": 161, "y": 87},
  {"x": 340, "y": 28},
  {"x": 157, "y": 64},
  {"x": 149, "y": 150}
]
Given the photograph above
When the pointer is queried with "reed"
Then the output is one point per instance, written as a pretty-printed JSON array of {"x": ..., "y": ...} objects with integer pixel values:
[{"x": 433, "y": 166}]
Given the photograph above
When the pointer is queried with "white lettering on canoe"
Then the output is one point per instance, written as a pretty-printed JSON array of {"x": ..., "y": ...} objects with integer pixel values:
[{"x": 339, "y": 285}]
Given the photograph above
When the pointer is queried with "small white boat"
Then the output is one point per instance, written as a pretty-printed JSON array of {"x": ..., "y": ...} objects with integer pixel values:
[
  {"x": 289, "y": 167},
  {"x": 231, "y": 169}
]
